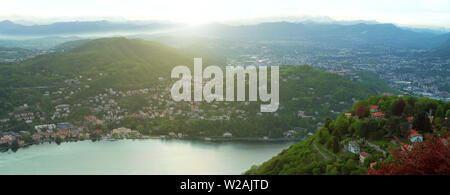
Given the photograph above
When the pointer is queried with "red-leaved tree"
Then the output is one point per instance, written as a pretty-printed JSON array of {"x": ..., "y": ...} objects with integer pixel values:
[
  {"x": 361, "y": 111},
  {"x": 431, "y": 157}
]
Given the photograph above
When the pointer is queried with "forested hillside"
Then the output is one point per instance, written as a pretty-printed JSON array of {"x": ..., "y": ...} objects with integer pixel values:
[{"x": 380, "y": 135}]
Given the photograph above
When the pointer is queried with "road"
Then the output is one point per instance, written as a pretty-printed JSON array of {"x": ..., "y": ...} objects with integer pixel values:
[
  {"x": 376, "y": 148},
  {"x": 317, "y": 149}
]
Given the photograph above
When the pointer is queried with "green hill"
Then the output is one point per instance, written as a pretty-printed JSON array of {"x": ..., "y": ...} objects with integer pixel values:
[
  {"x": 124, "y": 62},
  {"x": 118, "y": 63},
  {"x": 86, "y": 70}
]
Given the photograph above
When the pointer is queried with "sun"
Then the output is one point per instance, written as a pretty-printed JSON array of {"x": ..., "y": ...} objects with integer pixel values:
[{"x": 194, "y": 20}]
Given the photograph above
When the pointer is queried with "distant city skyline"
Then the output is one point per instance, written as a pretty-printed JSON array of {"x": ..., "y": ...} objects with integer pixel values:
[{"x": 416, "y": 13}]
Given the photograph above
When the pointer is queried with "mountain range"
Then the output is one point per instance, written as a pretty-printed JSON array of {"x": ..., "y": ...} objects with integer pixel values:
[
  {"x": 337, "y": 35},
  {"x": 70, "y": 28},
  {"x": 347, "y": 35}
]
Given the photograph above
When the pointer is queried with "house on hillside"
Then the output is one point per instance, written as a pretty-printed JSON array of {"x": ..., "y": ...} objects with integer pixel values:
[
  {"x": 64, "y": 126},
  {"x": 374, "y": 108},
  {"x": 363, "y": 156},
  {"x": 353, "y": 147},
  {"x": 377, "y": 115},
  {"x": 301, "y": 114},
  {"x": 98, "y": 131},
  {"x": 227, "y": 134},
  {"x": 415, "y": 136},
  {"x": 121, "y": 131},
  {"x": 4, "y": 141}
]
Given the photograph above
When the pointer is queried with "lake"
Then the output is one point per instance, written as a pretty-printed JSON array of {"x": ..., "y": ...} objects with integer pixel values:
[{"x": 155, "y": 157}]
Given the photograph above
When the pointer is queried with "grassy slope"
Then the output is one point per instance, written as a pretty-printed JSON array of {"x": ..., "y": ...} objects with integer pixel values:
[{"x": 300, "y": 158}]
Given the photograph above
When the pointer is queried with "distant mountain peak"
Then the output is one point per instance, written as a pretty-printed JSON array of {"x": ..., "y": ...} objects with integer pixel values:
[{"x": 7, "y": 22}]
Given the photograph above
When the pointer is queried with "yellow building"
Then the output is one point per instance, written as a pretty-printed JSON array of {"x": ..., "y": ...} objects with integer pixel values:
[{"x": 121, "y": 130}]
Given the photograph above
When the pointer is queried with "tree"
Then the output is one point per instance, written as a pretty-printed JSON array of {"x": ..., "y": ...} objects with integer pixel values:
[
  {"x": 58, "y": 140},
  {"x": 440, "y": 112},
  {"x": 4, "y": 147},
  {"x": 431, "y": 157},
  {"x": 399, "y": 107},
  {"x": 15, "y": 146},
  {"x": 368, "y": 129},
  {"x": 327, "y": 122},
  {"x": 422, "y": 123},
  {"x": 361, "y": 111},
  {"x": 349, "y": 166},
  {"x": 341, "y": 126},
  {"x": 94, "y": 136},
  {"x": 140, "y": 128},
  {"x": 335, "y": 145}
]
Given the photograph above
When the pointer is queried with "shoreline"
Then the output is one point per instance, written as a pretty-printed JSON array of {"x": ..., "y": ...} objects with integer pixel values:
[{"x": 199, "y": 139}]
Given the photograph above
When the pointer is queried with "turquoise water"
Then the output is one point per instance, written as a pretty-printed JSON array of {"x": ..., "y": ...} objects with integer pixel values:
[{"x": 139, "y": 157}]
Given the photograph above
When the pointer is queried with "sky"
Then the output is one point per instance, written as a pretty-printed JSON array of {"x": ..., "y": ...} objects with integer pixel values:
[{"x": 403, "y": 12}]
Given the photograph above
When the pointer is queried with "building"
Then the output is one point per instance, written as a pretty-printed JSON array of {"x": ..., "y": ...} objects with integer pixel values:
[
  {"x": 363, "y": 156},
  {"x": 64, "y": 126},
  {"x": 374, "y": 108},
  {"x": 377, "y": 115},
  {"x": 121, "y": 131},
  {"x": 353, "y": 147},
  {"x": 36, "y": 137},
  {"x": 46, "y": 126},
  {"x": 98, "y": 131},
  {"x": 135, "y": 132},
  {"x": 5, "y": 141},
  {"x": 415, "y": 136},
  {"x": 301, "y": 114},
  {"x": 227, "y": 134}
]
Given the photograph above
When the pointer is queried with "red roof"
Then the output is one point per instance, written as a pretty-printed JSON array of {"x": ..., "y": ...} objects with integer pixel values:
[
  {"x": 99, "y": 131},
  {"x": 413, "y": 133},
  {"x": 377, "y": 114},
  {"x": 348, "y": 114},
  {"x": 374, "y": 107},
  {"x": 364, "y": 154},
  {"x": 411, "y": 118}
]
